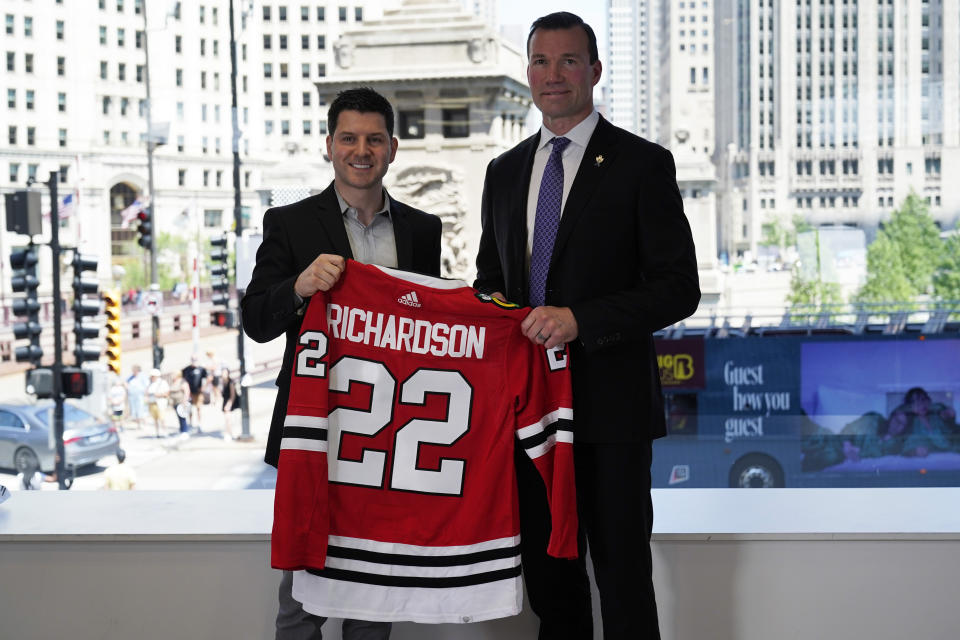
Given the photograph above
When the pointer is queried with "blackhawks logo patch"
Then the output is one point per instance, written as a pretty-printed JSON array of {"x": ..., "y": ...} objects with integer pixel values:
[{"x": 483, "y": 297}]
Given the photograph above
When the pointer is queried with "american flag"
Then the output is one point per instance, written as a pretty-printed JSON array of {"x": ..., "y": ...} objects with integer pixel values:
[
  {"x": 128, "y": 214},
  {"x": 68, "y": 205}
]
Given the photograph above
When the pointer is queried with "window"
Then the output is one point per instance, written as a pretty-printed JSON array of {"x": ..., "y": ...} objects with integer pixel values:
[
  {"x": 180, "y": 111},
  {"x": 11, "y": 61},
  {"x": 213, "y": 218},
  {"x": 266, "y": 13},
  {"x": 106, "y": 138},
  {"x": 267, "y": 42},
  {"x": 63, "y": 173},
  {"x": 203, "y": 113},
  {"x": 124, "y": 106},
  {"x": 181, "y": 177},
  {"x": 305, "y": 70},
  {"x": 59, "y": 29},
  {"x": 306, "y": 98},
  {"x": 268, "y": 127},
  {"x": 321, "y": 14},
  {"x": 203, "y": 79},
  {"x": 305, "y": 42},
  {"x": 246, "y": 179},
  {"x": 180, "y": 144},
  {"x": 62, "y": 137},
  {"x": 456, "y": 123},
  {"x": 103, "y": 69},
  {"x": 204, "y": 147},
  {"x": 306, "y": 127},
  {"x": 179, "y": 77},
  {"x": 203, "y": 46},
  {"x": 216, "y": 48},
  {"x": 282, "y": 13},
  {"x": 304, "y": 14},
  {"x": 322, "y": 43},
  {"x": 203, "y": 14},
  {"x": 14, "y": 171},
  {"x": 268, "y": 98},
  {"x": 119, "y": 6},
  {"x": 285, "y": 127},
  {"x": 11, "y": 98},
  {"x": 9, "y": 24},
  {"x": 284, "y": 70},
  {"x": 139, "y": 73},
  {"x": 267, "y": 69},
  {"x": 321, "y": 70},
  {"x": 219, "y": 178},
  {"x": 178, "y": 44},
  {"x": 28, "y": 26},
  {"x": 206, "y": 177},
  {"x": 283, "y": 42},
  {"x": 121, "y": 71},
  {"x": 61, "y": 66},
  {"x": 28, "y": 62},
  {"x": 284, "y": 99},
  {"x": 62, "y": 102},
  {"x": 121, "y": 37},
  {"x": 343, "y": 14},
  {"x": 410, "y": 124},
  {"x": 358, "y": 14},
  {"x": 138, "y": 39}
]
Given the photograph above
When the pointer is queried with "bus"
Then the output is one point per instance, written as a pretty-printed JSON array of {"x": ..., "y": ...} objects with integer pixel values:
[{"x": 821, "y": 406}]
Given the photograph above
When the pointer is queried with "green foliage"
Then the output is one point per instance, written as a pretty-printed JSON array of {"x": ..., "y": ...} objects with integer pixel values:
[
  {"x": 887, "y": 279},
  {"x": 918, "y": 242},
  {"x": 812, "y": 294},
  {"x": 946, "y": 280}
]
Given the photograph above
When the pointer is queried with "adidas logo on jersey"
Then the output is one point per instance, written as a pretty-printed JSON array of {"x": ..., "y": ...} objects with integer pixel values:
[{"x": 410, "y": 299}]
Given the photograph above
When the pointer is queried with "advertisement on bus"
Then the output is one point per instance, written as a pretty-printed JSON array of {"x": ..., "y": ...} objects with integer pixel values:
[{"x": 809, "y": 411}]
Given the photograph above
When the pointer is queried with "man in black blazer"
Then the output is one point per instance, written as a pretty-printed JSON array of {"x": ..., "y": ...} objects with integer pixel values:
[
  {"x": 622, "y": 266},
  {"x": 304, "y": 248}
]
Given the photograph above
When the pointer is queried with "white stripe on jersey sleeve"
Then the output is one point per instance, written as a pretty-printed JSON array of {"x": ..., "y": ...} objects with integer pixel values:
[
  {"x": 562, "y": 413},
  {"x": 313, "y": 422},
  {"x": 304, "y": 444}
]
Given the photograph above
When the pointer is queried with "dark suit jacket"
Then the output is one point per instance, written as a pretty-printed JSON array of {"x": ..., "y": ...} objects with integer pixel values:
[
  {"x": 293, "y": 236},
  {"x": 623, "y": 261}
]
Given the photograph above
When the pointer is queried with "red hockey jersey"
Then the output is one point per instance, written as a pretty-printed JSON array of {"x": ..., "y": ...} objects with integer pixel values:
[{"x": 396, "y": 496}]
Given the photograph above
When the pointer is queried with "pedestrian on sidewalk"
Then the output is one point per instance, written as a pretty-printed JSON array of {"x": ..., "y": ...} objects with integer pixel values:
[
  {"x": 158, "y": 395},
  {"x": 180, "y": 401},
  {"x": 195, "y": 376},
  {"x": 136, "y": 388},
  {"x": 119, "y": 476},
  {"x": 231, "y": 401}
]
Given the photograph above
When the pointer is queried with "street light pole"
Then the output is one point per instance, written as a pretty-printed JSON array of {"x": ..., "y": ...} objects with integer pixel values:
[
  {"x": 238, "y": 227},
  {"x": 154, "y": 286}
]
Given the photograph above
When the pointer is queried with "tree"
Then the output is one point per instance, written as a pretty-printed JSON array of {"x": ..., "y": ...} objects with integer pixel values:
[
  {"x": 887, "y": 279},
  {"x": 946, "y": 280},
  {"x": 810, "y": 291},
  {"x": 917, "y": 240}
]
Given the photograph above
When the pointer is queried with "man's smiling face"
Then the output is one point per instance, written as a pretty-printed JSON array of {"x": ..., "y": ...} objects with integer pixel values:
[
  {"x": 361, "y": 149},
  {"x": 561, "y": 76}
]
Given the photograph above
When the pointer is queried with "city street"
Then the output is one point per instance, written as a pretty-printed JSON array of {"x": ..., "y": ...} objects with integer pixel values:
[{"x": 202, "y": 460}]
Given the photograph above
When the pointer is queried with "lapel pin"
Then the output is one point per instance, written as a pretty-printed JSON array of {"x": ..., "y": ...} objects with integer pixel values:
[{"x": 598, "y": 161}]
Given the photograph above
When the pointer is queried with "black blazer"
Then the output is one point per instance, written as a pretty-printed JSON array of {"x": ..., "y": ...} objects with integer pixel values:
[
  {"x": 293, "y": 236},
  {"x": 623, "y": 261}
]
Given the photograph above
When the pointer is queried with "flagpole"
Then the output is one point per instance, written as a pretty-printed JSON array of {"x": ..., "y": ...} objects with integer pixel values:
[{"x": 154, "y": 286}]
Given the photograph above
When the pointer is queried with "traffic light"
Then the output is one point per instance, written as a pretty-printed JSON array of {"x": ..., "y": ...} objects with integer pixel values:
[
  {"x": 226, "y": 318},
  {"x": 146, "y": 228},
  {"x": 84, "y": 327},
  {"x": 24, "y": 280},
  {"x": 219, "y": 271},
  {"x": 75, "y": 382},
  {"x": 111, "y": 307}
]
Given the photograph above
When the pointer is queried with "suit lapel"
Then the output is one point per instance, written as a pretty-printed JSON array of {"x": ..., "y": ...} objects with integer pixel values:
[
  {"x": 517, "y": 221},
  {"x": 331, "y": 218},
  {"x": 598, "y": 156},
  {"x": 402, "y": 234}
]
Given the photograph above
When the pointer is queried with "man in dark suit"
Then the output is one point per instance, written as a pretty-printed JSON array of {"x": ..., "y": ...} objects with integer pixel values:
[
  {"x": 592, "y": 236},
  {"x": 304, "y": 248}
]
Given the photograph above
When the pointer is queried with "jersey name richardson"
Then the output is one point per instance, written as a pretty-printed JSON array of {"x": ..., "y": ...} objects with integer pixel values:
[
  {"x": 387, "y": 331},
  {"x": 396, "y": 497}
]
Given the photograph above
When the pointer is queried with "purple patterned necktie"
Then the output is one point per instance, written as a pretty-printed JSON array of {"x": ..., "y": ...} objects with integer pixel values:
[{"x": 547, "y": 221}]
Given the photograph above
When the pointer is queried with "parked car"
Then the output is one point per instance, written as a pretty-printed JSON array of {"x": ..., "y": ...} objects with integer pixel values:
[{"x": 26, "y": 441}]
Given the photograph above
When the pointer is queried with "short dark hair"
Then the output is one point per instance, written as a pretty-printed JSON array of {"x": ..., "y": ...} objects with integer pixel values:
[
  {"x": 362, "y": 99},
  {"x": 915, "y": 393},
  {"x": 565, "y": 20}
]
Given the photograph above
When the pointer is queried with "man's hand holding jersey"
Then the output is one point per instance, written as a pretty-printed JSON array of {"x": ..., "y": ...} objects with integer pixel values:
[
  {"x": 321, "y": 275},
  {"x": 549, "y": 326}
]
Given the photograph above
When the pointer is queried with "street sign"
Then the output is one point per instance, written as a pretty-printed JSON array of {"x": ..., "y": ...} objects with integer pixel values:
[{"x": 154, "y": 302}]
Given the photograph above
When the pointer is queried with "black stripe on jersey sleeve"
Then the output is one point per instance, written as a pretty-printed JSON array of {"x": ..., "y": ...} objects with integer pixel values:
[
  {"x": 561, "y": 424},
  {"x": 415, "y": 581},
  {"x": 423, "y": 561},
  {"x": 307, "y": 433}
]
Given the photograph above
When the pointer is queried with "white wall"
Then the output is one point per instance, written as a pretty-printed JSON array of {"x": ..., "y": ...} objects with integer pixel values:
[{"x": 177, "y": 568}]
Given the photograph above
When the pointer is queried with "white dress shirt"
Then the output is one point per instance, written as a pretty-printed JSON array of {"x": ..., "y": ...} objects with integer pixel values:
[{"x": 579, "y": 136}]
